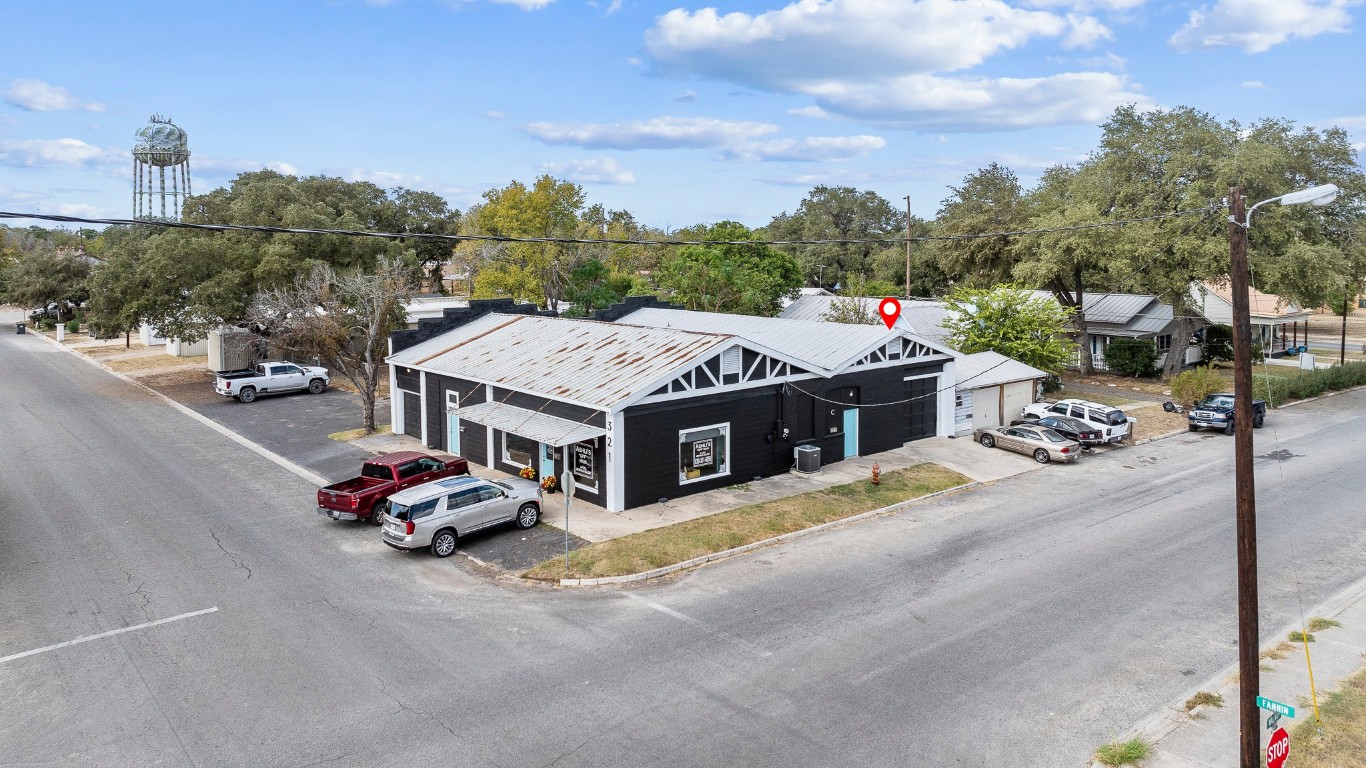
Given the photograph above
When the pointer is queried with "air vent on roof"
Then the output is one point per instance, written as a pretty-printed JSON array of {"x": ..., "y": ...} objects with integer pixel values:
[{"x": 730, "y": 361}]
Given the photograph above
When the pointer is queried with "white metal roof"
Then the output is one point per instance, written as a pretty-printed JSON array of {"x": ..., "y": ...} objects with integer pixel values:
[
  {"x": 587, "y": 362},
  {"x": 541, "y": 427},
  {"x": 989, "y": 369},
  {"x": 823, "y": 346},
  {"x": 923, "y": 318}
]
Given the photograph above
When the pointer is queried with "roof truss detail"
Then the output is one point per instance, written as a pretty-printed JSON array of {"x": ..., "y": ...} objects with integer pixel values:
[
  {"x": 907, "y": 349},
  {"x": 754, "y": 367}
]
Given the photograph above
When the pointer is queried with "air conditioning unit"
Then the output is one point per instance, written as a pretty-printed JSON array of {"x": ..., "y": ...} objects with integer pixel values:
[{"x": 808, "y": 458}]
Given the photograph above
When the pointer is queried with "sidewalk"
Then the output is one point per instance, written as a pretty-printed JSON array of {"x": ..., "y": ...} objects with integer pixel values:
[
  {"x": 1208, "y": 736},
  {"x": 594, "y": 523}
]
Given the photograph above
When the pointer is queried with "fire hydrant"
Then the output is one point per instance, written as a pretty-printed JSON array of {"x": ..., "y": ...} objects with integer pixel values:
[{"x": 877, "y": 473}]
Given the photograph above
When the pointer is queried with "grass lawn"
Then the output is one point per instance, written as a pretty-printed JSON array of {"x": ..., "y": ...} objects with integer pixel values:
[
  {"x": 1343, "y": 744},
  {"x": 149, "y": 362},
  {"x": 355, "y": 434},
  {"x": 726, "y": 530}
]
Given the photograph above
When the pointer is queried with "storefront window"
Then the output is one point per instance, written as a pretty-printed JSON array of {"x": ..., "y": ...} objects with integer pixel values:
[
  {"x": 519, "y": 450},
  {"x": 703, "y": 453}
]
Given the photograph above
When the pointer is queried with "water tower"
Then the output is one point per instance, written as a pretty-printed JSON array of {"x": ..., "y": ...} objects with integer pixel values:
[{"x": 161, "y": 144}]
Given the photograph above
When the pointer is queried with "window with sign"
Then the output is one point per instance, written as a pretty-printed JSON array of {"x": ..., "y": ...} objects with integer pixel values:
[
  {"x": 583, "y": 464},
  {"x": 703, "y": 453}
]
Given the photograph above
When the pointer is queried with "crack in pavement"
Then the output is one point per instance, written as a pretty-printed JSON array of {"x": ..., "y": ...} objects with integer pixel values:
[{"x": 231, "y": 556}]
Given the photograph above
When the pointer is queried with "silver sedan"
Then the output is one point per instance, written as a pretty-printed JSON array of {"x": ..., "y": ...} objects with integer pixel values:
[{"x": 1042, "y": 443}]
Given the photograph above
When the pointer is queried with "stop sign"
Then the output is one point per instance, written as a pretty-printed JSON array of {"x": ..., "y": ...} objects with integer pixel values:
[{"x": 1278, "y": 749}]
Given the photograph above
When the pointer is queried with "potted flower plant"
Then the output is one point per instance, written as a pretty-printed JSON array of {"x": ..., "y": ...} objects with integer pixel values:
[
  {"x": 528, "y": 473},
  {"x": 548, "y": 484}
]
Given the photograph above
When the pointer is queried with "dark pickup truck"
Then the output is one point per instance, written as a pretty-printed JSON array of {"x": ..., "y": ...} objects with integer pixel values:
[
  {"x": 365, "y": 497},
  {"x": 1217, "y": 411}
]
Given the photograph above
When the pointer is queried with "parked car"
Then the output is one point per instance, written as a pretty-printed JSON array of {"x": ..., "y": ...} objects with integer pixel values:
[
  {"x": 271, "y": 377},
  {"x": 1111, "y": 421},
  {"x": 364, "y": 497},
  {"x": 434, "y": 516},
  {"x": 1068, "y": 427},
  {"x": 1217, "y": 411},
  {"x": 1042, "y": 443}
]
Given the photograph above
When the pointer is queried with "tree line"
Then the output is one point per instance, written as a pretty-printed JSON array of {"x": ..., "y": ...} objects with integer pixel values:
[{"x": 1148, "y": 164}]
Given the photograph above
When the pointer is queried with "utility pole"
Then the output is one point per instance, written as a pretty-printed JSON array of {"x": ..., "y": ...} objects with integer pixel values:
[
  {"x": 1249, "y": 679},
  {"x": 908, "y": 247}
]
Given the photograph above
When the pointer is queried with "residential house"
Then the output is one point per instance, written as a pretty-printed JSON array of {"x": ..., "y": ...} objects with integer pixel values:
[
  {"x": 1276, "y": 322},
  {"x": 1111, "y": 316}
]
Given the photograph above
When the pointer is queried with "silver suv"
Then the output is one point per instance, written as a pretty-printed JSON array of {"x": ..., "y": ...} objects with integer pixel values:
[
  {"x": 435, "y": 515},
  {"x": 1114, "y": 426}
]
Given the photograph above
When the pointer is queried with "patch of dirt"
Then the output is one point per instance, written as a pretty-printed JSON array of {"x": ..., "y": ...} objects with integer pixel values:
[
  {"x": 1153, "y": 421},
  {"x": 1126, "y": 386}
]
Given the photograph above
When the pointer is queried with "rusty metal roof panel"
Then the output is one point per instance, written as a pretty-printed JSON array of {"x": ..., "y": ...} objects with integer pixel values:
[{"x": 591, "y": 363}]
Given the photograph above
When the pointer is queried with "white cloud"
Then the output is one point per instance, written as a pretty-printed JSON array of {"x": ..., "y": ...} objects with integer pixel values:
[
  {"x": 218, "y": 167},
  {"x": 1085, "y": 32},
  {"x": 1356, "y": 123},
  {"x": 79, "y": 209},
  {"x": 526, "y": 5},
  {"x": 927, "y": 102},
  {"x": 812, "y": 111},
  {"x": 1256, "y": 85},
  {"x": 1108, "y": 60},
  {"x": 69, "y": 153},
  {"x": 1256, "y": 26},
  {"x": 736, "y": 140},
  {"x": 686, "y": 96},
  {"x": 815, "y": 40},
  {"x": 598, "y": 170},
  {"x": 901, "y": 62},
  {"x": 810, "y": 149},
  {"x": 1087, "y": 5},
  {"x": 494, "y": 114},
  {"x": 38, "y": 96},
  {"x": 656, "y": 133}
]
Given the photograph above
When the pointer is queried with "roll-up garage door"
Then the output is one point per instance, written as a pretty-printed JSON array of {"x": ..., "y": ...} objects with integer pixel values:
[{"x": 923, "y": 409}]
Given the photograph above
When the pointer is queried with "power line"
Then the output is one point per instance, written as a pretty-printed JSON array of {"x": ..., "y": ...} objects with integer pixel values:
[{"x": 582, "y": 240}]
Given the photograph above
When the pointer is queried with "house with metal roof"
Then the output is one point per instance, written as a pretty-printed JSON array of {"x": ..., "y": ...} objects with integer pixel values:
[
  {"x": 645, "y": 403},
  {"x": 1110, "y": 316},
  {"x": 1275, "y": 321},
  {"x": 922, "y": 317}
]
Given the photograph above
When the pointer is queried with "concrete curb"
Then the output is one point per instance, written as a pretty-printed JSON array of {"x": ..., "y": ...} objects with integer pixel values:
[
  {"x": 704, "y": 559},
  {"x": 273, "y": 457}
]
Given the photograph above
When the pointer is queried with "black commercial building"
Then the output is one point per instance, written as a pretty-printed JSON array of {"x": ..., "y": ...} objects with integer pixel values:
[{"x": 648, "y": 402}]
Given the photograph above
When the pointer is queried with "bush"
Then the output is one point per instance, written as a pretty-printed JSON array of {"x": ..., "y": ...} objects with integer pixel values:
[
  {"x": 46, "y": 323},
  {"x": 1277, "y": 390},
  {"x": 1189, "y": 387},
  {"x": 73, "y": 326},
  {"x": 1131, "y": 357}
]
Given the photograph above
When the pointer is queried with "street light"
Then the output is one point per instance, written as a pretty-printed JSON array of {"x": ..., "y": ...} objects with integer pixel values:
[
  {"x": 820, "y": 281},
  {"x": 1243, "y": 481}
]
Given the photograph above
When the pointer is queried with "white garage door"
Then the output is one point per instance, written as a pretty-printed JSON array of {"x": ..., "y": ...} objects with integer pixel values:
[
  {"x": 986, "y": 407},
  {"x": 1018, "y": 395}
]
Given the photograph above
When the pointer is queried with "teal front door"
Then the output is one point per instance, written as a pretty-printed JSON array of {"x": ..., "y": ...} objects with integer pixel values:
[
  {"x": 547, "y": 461},
  {"x": 850, "y": 432}
]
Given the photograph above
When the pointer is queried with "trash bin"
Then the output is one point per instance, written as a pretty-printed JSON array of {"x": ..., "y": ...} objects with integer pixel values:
[{"x": 18, "y": 327}]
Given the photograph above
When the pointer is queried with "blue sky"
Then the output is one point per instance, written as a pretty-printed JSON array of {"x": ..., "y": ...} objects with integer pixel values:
[{"x": 679, "y": 112}]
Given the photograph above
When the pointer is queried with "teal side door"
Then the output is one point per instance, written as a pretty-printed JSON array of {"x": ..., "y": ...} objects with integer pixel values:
[
  {"x": 850, "y": 432},
  {"x": 452, "y": 423}
]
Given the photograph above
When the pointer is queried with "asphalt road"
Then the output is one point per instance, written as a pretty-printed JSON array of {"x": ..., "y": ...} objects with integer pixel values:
[{"x": 1021, "y": 623}]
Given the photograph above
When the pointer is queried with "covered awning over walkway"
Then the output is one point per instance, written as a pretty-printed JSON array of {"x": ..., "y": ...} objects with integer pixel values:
[{"x": 541, "y": 427}]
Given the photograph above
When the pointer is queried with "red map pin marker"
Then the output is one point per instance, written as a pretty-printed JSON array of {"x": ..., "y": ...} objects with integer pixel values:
[{"x": 890, "y": 309}]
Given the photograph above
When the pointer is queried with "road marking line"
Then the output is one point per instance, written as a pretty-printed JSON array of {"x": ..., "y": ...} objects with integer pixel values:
[
  {"x": 103, "y": 635},
  {"x": 700, "y": 625}
]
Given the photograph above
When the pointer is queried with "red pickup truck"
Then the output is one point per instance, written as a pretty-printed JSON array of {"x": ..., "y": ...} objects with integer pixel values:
[{"x": 365, "y": 497}]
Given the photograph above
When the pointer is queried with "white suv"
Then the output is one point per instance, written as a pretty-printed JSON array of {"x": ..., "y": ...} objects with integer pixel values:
[
  {"x": 435, "y": 515},
  {"x": 1114, "y": 426}
]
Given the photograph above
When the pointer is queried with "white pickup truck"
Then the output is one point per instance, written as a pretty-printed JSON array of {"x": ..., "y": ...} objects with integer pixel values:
[{"x": 269, "y": 378}]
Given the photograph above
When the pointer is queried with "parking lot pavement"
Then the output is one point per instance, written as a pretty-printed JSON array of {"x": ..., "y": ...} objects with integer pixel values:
[{"x": 295, "y": 425}]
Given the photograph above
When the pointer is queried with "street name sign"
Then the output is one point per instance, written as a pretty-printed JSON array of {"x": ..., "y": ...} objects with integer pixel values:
[
  {"x": 1278, "y": 749},
  {"x": 1275, "y": 706}
]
